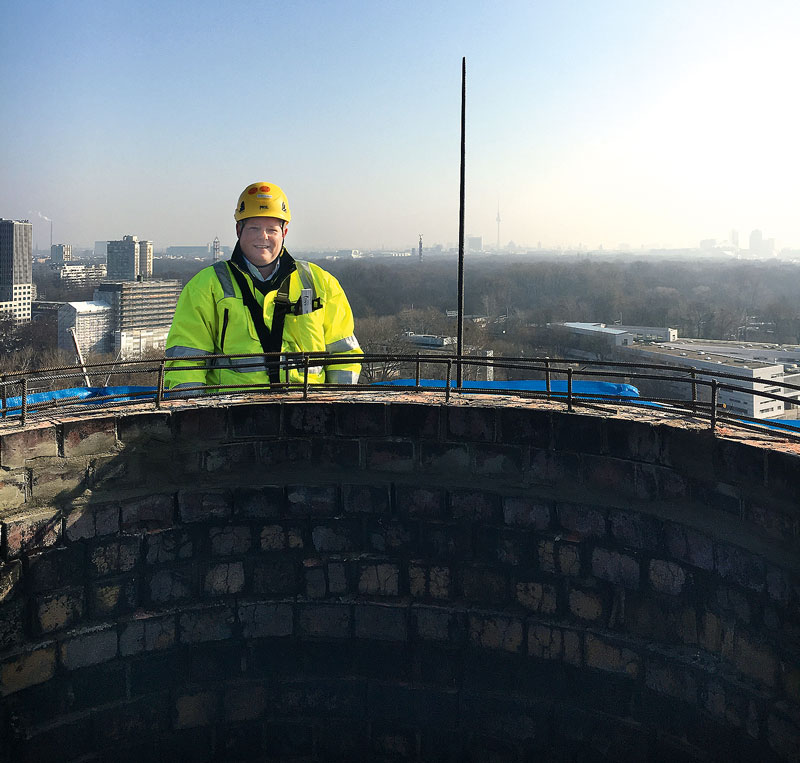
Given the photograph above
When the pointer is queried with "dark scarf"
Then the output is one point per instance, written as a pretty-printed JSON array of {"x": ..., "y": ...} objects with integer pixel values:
[{"x": 286, "y": 267}]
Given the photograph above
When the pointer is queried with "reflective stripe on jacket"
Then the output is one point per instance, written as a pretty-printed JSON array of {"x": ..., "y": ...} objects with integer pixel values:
[{"x": 212, "y": 319}]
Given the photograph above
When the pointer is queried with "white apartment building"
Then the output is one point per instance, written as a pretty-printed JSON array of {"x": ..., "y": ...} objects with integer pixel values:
[
  {"x": 16, "y": 267},
  {"x": 91, "y": 323}
]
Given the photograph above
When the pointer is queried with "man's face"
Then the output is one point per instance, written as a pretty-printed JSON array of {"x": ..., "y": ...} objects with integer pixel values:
[{"x": 261, "y": 239}]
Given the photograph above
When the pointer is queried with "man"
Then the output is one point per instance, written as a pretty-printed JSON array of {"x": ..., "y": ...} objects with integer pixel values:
[{"x": 261, "y": 300}]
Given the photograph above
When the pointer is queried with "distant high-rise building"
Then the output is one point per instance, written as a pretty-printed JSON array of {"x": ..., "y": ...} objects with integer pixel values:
[
  {"x": 735, "y": 239},
  {"x": 16, "y": 266},
  {"x": 60, "y": 253},
  {"x": 140, "y": 304},
  {"x": 100, "y": 248},
  {"x": 756, "y": 242},
  {"x": 129, "y": 258},
  {"x": 91, "y": 324}
]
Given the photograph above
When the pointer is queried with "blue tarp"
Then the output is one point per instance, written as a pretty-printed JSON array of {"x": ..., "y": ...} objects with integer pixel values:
[
  {"x": 87, "y": 395},
  {"x": 558, "y": 386}
]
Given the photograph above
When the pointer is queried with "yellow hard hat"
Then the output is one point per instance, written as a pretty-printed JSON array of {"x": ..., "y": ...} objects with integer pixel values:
[{"x": 262, "y": 200}]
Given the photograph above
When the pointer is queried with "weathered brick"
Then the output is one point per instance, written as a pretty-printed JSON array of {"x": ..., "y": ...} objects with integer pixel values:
[
  {"x": 610, "y": 657},
  {"x": 202, "y": 506},
  {"x": 86, "y": 437},
  {"x": 168, "y": 546},
  {"x": 337, "y": 578},
  {"x": 381, "y": 622},
  {"x": 362, "y": 419},
  {"x": 259, "y": 503},
  {"x": 586, "y": 605},
  {"x": 434, "y": 581},
  {"x": 443, "y": 541},
  {"x": 284, "y": 451},
  {"x": 471, "y": 423},
  {"x": 224, "y": 578},
  {"x": 144, "y": 429},
  {"x": 634, "y": 440},
  {"x": 667, "y": 577},
  {"x": 27, "y": 532},
  {"x": 55, "y": 568},
  {"x": 568, "y": 556},
  {"x": 498, "y": 460},
  {"x": 525, "y": 425},
  {"x": 113, "y": 597},
  {"x": 573, "y": 648},
  {"x": 10, "y": 576},
  {"x": 581, "y": 520},
  {"x": 545, "y": 642},
  {"x": 198, "y": 709},
  {"x": 379, "y": 579},
  {"x": 152, "y": 512},
  {"x": 213, "y": 623},
  {"x": 266, "y": 619},
  {"x": 89, "y": 648},
  {"x": 60, "y": 609},
  {"x": 546, "y": 552},
  {"x": 438, "y": 623},
  {"x": 32, "y": 442},
  {"x": 28, "y": 669},
  {"x": 313, "y": 500},
  {"x": 390, "y": 455},
  {"x": 275, "y": 577},
  {"x": 612, "y": 474},
  {"x": 755, "y": 660},
  {"x": 336, "y": 452},
  {"x": 635, "y": 530},
  {"x": 336, "y": 536},
  {"x": 775, "y": 523},
  {"x": 12, "y": 618},
  {"x": 495, "y": 632},
  {"x": 739, "y": 463},
  {"x": 614, "y": 567},
  {"x": 92, "y": 521},
  {"x": 114, "y": 556},
  {"x": 783, "y": 732},
  {"x": 391, "y": 535},
  {"x": 413, "y": 420},
  {"x": 254, "y": 420},
  {"x": 277, "y": 537},
  {"x": 229, "y": 540},
  {"x": 740, "y": 567},
  {"x": 483, "y": 584},
  {"x": 172, "y": 585},
  {"x": 475, "y": 505},
  {"x": 550, "y": 467},
  {"x": 231, "y": 457},
  {"x": 536, "y": 597},
  {"x": 308, "y": 418},
  {"x": 365, "y": 499},
  {"x": 14, "y": 489},
  {"x": 243, "y": 703},
  {"x": 55, "y": 479},
  {"x": 445, "y": 458},
  {"x": 324, "y": 620},
  {"x": 423, "y": 502},
  {"x": 526, "y": 512},
  {"x": 672, "y": 681},
  {"x": 316, "y": 585},
  {"x": 147, "y": 634},
  {"x": 689, "y": 545}
]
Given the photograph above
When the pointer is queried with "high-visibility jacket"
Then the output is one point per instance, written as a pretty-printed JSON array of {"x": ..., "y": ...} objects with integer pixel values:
[{"x": 211, "y": 319}]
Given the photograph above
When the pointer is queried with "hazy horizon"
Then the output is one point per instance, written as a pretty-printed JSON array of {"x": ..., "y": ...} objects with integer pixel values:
[{"x": 588, "y": 123}]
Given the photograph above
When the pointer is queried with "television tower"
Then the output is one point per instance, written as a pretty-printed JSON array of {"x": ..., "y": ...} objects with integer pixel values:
[
  {"x": 420, "y": 247},
  {"x": 498, "y": 226},
  {"x": 216, "y": 248}
]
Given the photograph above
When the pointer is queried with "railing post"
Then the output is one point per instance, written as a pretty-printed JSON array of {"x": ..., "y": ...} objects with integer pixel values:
[
  {"x": 160, "y": 390},
  {"x": 23, "y": 408},
  {"x": 416, "y": 375},
  {"x": 547, "y": 376},
  {"x": 694, "y": 391},
  {"x": 447, "y": 381},
  {"x": 305, "y": 376},
  {"x": 5, "y": 395},
  {"x": 713, "y": 404},
  {"x": 569, "y": 390}
]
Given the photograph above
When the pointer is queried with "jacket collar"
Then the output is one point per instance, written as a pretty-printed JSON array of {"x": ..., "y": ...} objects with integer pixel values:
[{"x": 286, "y": 265}]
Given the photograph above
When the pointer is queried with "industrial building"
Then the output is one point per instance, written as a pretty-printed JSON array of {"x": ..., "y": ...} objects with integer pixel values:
[
  {"x": 129, "y": 258},
  {"x": 91, "y": 324},
  {"x": 136, "y": 320}
]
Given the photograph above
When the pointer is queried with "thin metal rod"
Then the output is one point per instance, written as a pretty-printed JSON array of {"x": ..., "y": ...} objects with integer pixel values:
[
  {"x": 160, "y": 390},
  {"x": 713, "y": 404},
  {"x": 305, "y": 376},
  {"x": 23, "y": 410},
  {"x": 460, "y": 342},
  {"x": 694, "y": 391},
  {"x": 447, "y": 381},
  {"x": 547, "y": 376},
  {"x": 416, "y": 373},
  {"x": 569, "y": 390}
]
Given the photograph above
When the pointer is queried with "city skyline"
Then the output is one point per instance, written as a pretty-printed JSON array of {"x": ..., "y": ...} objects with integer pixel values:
[{"x": 587, "y": 123}]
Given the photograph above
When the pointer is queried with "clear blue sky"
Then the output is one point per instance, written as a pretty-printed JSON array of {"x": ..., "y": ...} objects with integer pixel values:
[{"x": 588, "y": 121}]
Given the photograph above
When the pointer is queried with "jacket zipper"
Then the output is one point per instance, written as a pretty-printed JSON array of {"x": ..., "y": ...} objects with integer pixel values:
[{"x": 224, "y": 329}]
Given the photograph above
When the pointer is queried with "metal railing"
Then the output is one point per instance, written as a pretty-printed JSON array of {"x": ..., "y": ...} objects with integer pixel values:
[{"x": 27, "y": 395}]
